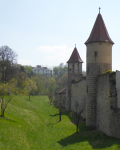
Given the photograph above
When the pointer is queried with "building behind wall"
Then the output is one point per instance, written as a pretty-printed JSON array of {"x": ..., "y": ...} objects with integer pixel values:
[{"x": 42, "y": 70}]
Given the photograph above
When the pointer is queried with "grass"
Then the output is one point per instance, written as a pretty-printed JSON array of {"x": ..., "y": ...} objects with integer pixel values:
[{"x": 33, "y": 125}]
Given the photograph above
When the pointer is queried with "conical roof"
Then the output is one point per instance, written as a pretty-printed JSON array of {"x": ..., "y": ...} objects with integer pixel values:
[
  {"x": 99, "y": 32},
  {"x": 75, "y": 57}
]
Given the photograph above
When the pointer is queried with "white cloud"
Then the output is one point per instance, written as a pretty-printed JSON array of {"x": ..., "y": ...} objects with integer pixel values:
[
  {"x": 54, "y": 49},
  {"x": 24, "y": 62},
  {"x": 54, "y": 55}
]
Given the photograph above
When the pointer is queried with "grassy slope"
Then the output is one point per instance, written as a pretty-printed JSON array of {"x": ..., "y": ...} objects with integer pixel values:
[{"x": 33, "y": 125}]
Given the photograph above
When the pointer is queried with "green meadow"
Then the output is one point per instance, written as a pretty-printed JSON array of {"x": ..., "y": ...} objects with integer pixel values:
[{"x": 34, "y": 125}]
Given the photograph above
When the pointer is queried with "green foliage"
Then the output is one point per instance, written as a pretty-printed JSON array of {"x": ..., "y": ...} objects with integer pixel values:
[
  {"x": 51, "y": 89},
  {"x": 63, "y": 80},
  {"x": 76, "y": 80},
  {"x": 7, "y": 91},
  {"x": 28, "y": 70},
  {"x": 108, "y": 72},
  {"x": 60, "y": 74}
]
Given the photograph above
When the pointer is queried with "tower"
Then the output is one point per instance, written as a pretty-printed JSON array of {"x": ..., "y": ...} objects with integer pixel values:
[
  {"x": 98, "y": 60},
  {"x": 74, "y": 72}
]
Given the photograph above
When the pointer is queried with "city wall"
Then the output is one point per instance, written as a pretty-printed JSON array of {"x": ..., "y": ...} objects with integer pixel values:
[
  {"x": 78, "y": 96},
  {"x": 108, "y": 113}
]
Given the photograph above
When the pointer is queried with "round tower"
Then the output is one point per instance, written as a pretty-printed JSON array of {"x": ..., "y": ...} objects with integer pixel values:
[
  {"x": 98, "y": 60},
  {"x": 74, "y": 72}
]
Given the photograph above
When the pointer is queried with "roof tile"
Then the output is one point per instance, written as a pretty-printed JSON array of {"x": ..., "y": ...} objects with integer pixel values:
[
  {"x": 99, "y": 32},
  {"x": 75, "y": 57}
]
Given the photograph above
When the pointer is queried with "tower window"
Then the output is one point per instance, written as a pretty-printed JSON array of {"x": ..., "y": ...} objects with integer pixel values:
[{"x": 95, "y": 53}]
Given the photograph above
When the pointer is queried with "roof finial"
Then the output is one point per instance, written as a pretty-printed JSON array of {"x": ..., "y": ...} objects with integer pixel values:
[
  {"x": 75, "y": 45},
  {"x": 99, "y": 10}
]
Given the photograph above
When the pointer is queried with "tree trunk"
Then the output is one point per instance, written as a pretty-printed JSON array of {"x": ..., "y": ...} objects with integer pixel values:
[
  {"x": 50, "y": 100},
  {"x": 2, "y": 114},
  {"x": 2, "y": 108},
  {"x": 77, "y": 127},
  {"x": 59, "y": 115}
]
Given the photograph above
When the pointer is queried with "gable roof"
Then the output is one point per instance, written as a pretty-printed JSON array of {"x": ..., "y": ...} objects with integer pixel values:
[
  {"x": 99, "y": 32},
  {"x": 75, "y": 57}
]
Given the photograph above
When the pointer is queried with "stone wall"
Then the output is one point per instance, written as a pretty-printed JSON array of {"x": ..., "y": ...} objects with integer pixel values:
[
  {"x": 108, "y": 114},
  {"x": 115, "y": 111},
  {"x": 68, "y": 97},
  {"x": 103, "y": 104},
  {"x": 93, "y": 70},
  {"x": 78, "y": 95}
]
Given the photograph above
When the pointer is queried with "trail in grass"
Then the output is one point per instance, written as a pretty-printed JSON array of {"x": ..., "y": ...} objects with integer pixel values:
[{"x": 33, "y": 125}]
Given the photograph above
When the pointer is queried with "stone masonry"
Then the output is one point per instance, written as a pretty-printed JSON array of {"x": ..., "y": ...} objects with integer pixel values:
[
  {"x": 78, "y": 96},
  {"x": 98, "y": 94}
]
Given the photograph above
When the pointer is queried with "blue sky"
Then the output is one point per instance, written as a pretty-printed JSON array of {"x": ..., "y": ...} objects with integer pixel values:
[{"x": 44, "y": 32}]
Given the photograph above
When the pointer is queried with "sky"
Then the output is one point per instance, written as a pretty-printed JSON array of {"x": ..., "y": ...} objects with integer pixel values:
[{"x": 44, "y": 32}]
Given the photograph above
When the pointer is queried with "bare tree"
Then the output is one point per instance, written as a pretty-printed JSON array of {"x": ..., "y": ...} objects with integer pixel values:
[
  {"x": 7, "y": 63},
  {"x": 78, "y": 114},
  {"x": 58, "y": 104}
]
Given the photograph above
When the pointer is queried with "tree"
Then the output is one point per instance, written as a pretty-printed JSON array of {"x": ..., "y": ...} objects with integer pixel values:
[
  {"x": 7, "y": 91},
  {"x": 51, "y": 89},
  {"x": 63, "y": 80},
  {"x": 7, "y": 64},
  {"x": 41, "y": 82},
  {"x": 58, "y": 104},
  {"x": 31, "y": 86},
  {"x": 28, "y": 70},
  {"x": 78, "y": 114}
]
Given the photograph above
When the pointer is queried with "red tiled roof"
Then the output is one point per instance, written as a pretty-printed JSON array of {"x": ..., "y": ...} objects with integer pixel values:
[
  {"x": 99, "y": 32},
  {"x": 62, "y": 91},
  {"x": 75, "y": 57}
]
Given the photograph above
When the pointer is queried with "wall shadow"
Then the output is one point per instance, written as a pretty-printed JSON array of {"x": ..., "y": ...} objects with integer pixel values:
[{"x": 96, "y": 139}]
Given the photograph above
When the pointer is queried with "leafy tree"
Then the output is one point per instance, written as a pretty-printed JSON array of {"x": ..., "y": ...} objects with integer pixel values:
[
  {"x": 59, "y": 74},
  {"x": 51, "y": 89},
  {"x": 31, "y": 87},
  {"x": 7, "y": 91},
  {"x": 63, "y": 80},
  {"x": 40, "y": 83},
  {"x": 22, "y": 69},
  {"x": 29, "y": 71},
  {"x": 7, "y": 64},
  {"x": 58, "y": 71}
]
